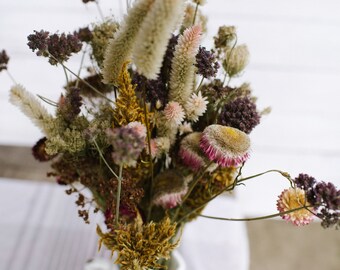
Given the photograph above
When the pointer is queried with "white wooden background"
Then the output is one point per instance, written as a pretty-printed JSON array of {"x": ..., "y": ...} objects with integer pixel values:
[{"x": 294, "y": 68}]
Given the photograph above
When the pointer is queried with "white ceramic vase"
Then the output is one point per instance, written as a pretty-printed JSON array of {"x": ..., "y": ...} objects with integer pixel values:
[{"x": 177, "y": 263}]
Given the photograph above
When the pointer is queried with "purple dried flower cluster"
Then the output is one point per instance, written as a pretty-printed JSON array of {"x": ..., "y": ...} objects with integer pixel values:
[
  {"x": 69, "y": 106},
  {"x": 325, "y": 197},
  {"x": 206, "y": 63},
  {"x": 3, "y": 60},
  {"x": 156, "y": 90},
  {"x": 240, "y": 113},
  {"x": 84, "y": 34},
  {"x": 58, "y": 48},
  {"x": 127, "y": 145}
]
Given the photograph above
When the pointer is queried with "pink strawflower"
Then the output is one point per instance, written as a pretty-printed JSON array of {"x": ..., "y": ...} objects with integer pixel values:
[
  {"x": 169, "y": 188},
  {"x": 174, "y": 112},
  {"x": 191, "y": 153},
  {"x": 170, "y": 200},
  {"x": 227, "y": 146},
  {"x": 293, "y": 198}
]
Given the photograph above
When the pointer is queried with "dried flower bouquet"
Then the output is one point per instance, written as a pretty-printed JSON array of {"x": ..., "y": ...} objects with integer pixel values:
[{"x": 155, "y": 131}]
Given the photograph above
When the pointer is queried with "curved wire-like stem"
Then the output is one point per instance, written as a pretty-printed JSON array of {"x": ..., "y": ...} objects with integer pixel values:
[
  {"x": 81, "y": 79},
  {"x": 103, "y": 158},
  {"x": 229, "y": 188},
  {"x": 260, "y": 217},
  {"x": 119, "y": 189}
]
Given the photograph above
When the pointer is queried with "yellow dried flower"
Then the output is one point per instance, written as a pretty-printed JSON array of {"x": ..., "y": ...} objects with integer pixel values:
[
  {"x": 224, "y": 175},
  {"x": 127, "y": 107},
  {"x": 141, "y": 246}
]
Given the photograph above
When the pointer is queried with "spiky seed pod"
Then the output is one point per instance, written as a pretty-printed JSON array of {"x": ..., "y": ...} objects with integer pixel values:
[
  {"x": 182, "y": 68},
  {"x": 120, "y": 47},
  {"x": 240, "y": 113},
  {"x": 31, "y": 107},
  {"x": 227, "y": 146},
  {"x": 236, "y": 59},
  {"x": 154, "y": 34},
  {"x": 291, "y": 199}
]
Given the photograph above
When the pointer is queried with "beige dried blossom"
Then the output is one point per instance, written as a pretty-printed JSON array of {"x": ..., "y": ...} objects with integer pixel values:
[
  {"x": 154, "y": 34},
  {"x": 236, "y": 59},
  {"x": 195, "y": 106},
  {"x": 31, "y": 107},
  {"x": 182, "y": 68},
  {"x": 120, "y": 47},
  {"x": 226, "y": 35},
  {"x": 101, "y": 35}
]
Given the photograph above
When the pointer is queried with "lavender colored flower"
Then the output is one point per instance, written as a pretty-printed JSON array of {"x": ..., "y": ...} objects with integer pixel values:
[
  {"x": 240, "y": 113},
  {"x": 3, "y": 60},
  {"x": 84, "y": 34},
  {"x": 127, "y": 145},
  {"x": 206, "y": 63},
  {"x": 58, "y": 48}
]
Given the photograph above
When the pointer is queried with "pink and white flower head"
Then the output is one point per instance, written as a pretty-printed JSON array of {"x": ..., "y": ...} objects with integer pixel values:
[
  {"x": 191, "y": 153},
  {"x": 227, "y": 146},
  {"x": 195, "y": 106},
  {"x": 169, "y": 189},
  {"x": 174, "y": 113},
  {"x": 290, "y": 199},
  {"x": 138, "y": 127}
]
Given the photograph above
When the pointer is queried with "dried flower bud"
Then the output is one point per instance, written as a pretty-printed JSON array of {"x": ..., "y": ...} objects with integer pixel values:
[
  {"x": 206, "y": 63},
  {"x": 191, "y": 153},
  {"x": 69, "y": 106},
  {"x": 39, "y": 152},
  {"x": 3, "y": 60},
  {"x": 84, "y": 34},
  {"x": 169, "y": 188},
  {"x": 236, "y": 60},
  {"x": 225, "y": 36}
]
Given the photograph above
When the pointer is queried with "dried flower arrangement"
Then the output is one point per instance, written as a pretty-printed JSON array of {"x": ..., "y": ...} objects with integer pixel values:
[{"x": 153, "y": 132}]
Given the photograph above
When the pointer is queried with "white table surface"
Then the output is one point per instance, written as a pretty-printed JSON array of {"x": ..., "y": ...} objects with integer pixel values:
[
  {"x": 40, "y": 230},
  {"x": 294, "y": 68}
]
